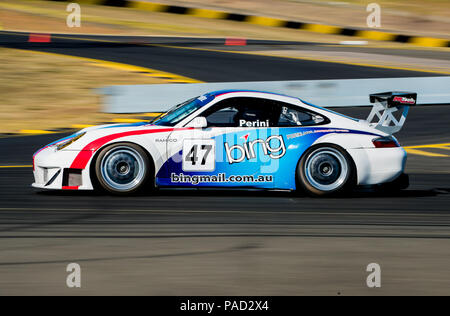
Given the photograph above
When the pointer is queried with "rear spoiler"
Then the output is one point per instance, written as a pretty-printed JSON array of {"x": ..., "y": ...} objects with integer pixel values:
[{"x": 382, "y": 116}]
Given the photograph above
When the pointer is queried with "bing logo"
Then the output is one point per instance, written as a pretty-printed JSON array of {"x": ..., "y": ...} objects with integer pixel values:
[{"x": 273, "y": 147}]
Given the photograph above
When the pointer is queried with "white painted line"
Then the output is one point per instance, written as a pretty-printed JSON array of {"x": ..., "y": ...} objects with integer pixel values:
[{"x": 354, "y": 42}]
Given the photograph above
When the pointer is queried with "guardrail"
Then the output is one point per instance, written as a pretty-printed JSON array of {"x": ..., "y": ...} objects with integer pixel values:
[{"x": 325, "y": 93}]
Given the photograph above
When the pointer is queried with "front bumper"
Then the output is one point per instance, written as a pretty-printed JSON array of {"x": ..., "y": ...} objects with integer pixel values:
[{"x": 52, "y": 170}]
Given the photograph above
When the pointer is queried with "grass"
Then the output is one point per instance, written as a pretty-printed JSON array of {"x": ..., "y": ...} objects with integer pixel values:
[
  {"x": 408, "y": 17},
  {"x": 429, "y": 17},
  {"x": 46, "y": 91},
  {"x": 427, "y": 7},
  {"x": 47, "y": 16}
]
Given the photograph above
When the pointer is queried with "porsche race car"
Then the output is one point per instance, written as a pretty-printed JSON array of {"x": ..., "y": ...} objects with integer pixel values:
[{"x": 233, "y": 139}]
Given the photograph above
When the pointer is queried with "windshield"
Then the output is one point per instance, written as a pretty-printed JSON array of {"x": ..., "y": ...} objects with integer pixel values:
[{"x": 178, "y": 113}]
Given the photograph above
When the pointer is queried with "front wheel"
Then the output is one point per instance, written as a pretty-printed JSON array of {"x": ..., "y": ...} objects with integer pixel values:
[
  {"x": 325, "y": 170},
  {"x": 122, "y": 168}
]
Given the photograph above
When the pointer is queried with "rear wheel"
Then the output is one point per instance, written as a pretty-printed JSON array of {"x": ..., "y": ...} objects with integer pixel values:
[
  {"x": 325, "y": 170},
  {"x": 122, "y": 168}
]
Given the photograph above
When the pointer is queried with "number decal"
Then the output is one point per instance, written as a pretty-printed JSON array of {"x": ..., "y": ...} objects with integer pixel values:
[
  {"x": 192, "y": 155},
  {"x": 207, "y": 148},
  {"x": 199, "y": 155}
]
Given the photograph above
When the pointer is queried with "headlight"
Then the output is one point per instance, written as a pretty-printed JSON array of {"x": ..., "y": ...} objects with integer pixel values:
[{"x": 69, "y": 141}]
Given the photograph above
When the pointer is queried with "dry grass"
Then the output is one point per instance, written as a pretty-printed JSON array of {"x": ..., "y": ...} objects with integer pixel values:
[
  {"x": 423, "y": 8},
  {"x": 410, "y": 17},
  {"x": 45, "y": 91},
  {"x": 293, "y": 7},
  {"x": 430, "y": 17},
  {"x": 22, "y": 21},
  {"x": 46, "y": 16}
]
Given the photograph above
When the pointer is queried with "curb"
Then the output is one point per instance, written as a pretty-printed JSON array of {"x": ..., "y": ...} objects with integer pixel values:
[{"x": 274, "y": 22}]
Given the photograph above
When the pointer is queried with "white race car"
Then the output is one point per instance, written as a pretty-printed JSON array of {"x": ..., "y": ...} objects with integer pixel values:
[{"x": 234, "y": 139}]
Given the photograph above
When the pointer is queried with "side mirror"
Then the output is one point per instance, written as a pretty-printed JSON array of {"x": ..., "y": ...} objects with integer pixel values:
[{"x": 198, "y": 122}]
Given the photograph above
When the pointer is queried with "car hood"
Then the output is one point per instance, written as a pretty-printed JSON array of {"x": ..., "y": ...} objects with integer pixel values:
[
  {"x": 94, "y": 133},
  {"x": 113, "y": 126}
]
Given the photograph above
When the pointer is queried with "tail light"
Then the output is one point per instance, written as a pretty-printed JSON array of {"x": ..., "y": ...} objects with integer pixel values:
[{"x": 385, "y": 142}]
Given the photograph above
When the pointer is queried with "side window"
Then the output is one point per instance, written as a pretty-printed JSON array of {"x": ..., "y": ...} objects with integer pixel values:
[
  {"x": 241, "y": 112},
  {"x": 223, "y": 117},
  {"x": 290, "y": 116}
]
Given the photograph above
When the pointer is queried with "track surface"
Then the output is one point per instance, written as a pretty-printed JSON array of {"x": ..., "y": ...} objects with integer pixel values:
[
  {"x": 205, "y": 65},
  {"x": 215, "y": 242}
]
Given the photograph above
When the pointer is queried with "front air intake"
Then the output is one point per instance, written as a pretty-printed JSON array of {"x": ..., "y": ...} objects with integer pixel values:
[{"x": 72, "y": 177}]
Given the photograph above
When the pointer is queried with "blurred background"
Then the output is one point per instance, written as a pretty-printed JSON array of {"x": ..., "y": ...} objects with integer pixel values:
[
  {"x": 217, "y": 243},
  {"x": 51, "y": 79}
]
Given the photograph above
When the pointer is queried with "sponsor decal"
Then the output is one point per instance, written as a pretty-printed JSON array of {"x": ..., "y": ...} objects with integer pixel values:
[
  {"x": 257, "y": 123},
  {"x": 219, "y": 178},
  {"x": 166, "y": 140},
  {"x": 205, "y": 99},
  {"x": 202, "y": 98},
  {"x": 404, "y": 100},
  {"x": 273, "y": 147},
  {"x": 300, "y": 134}
]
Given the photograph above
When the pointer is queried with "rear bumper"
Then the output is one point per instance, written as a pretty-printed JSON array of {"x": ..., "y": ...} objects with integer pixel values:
[
  {"x": 378, "y": 165},
  {"x": 51, "y": 170}
]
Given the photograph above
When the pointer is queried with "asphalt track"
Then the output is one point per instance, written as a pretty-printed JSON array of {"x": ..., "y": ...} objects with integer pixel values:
[
  {"x": 214, "y": 242},
  {"x": 208, "y": 66}
]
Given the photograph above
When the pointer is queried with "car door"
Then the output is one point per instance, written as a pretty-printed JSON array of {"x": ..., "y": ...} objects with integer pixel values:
[
  {"x": 234, "y": 150},
  {"x": 190, "y": 152},
  {"x": 298, "y": 128}
]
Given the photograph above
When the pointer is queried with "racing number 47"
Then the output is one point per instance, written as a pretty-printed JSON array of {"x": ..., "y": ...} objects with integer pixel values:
[
  {"x": 192, "y": 156},
  {"x": 199, "y": 155}
]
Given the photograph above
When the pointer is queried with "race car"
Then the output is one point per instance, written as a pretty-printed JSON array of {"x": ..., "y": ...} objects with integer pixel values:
[{"x": 234, "y": 139}]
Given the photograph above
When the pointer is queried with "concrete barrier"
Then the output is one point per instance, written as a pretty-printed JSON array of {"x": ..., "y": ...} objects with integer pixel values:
[{"x": 326, "y": 93}]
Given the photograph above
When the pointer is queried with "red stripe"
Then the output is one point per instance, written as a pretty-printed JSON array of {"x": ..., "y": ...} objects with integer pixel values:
[
  {"x": 235, "y": 42},
  {"x": 39, "y": 38},
  {"x": 83, "y": 157},
  {"x": 81, "y": 160}
]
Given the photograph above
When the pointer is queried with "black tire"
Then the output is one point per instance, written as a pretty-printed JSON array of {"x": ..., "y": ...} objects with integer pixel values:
[
  {"x": 326, "y": 169},
  {"x": 123, "y": 169}
]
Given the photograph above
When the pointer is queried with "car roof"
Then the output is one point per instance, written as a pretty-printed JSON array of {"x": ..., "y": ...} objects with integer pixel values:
[{"x": 222, "y": 92}]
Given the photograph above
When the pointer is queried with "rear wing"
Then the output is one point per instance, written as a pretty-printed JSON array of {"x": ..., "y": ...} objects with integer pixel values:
[{"x": 390, "y": 110}]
